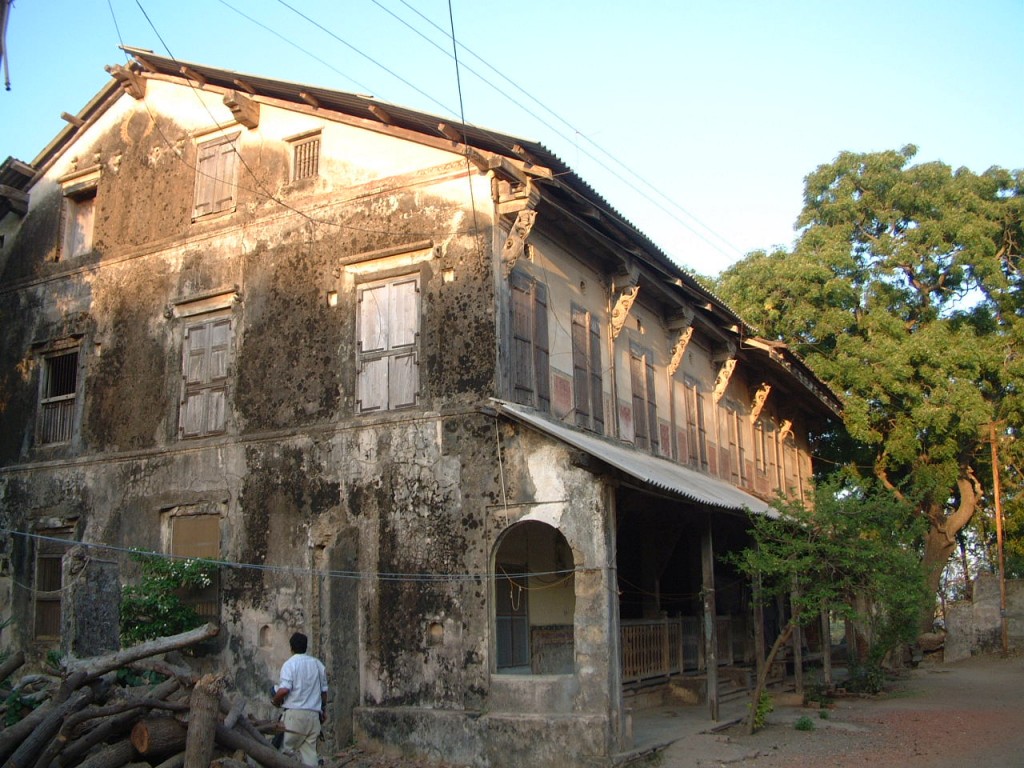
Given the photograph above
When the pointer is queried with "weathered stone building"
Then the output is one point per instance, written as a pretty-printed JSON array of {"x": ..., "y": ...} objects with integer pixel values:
[{"x": 424, "y": 394}]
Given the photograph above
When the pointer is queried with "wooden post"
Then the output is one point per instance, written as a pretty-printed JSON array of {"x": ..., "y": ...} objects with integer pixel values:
[
  {"x": 202, "y": 722},
  {"x": 707, "y": 558}
]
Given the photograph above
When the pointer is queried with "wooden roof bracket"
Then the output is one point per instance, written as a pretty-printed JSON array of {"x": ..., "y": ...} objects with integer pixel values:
[
  {"x": 760, "y": 398},
  {"x": 625, "y": 288},
  {"x": 17, "y": 199},
  {"x": 725, "y": 372},
  {"x": 245, "y": 110},
  {"x": 785, "y": 429},
  {"x": 515, "y": 243},
  {"x": 132, "y": 82},
  {"x": 682, "y": 324}
]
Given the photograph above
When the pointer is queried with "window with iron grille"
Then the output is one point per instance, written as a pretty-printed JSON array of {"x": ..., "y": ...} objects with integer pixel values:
[
  {"x": 59, "y": 388},
  {"x": 306, "y": 158}
]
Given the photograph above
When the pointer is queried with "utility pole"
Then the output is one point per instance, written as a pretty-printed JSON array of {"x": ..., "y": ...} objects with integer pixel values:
[{"x": 999, "y": 541}]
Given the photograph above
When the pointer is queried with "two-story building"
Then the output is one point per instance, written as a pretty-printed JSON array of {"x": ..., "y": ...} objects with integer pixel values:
[{"x": 415, "y": 385}]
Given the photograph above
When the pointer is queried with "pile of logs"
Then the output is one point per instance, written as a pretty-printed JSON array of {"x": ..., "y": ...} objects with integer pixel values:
[{"x": 83, "y": 719}]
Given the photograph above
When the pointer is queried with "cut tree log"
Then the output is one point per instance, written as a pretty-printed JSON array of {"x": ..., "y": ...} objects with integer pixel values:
[
  {"x": 159, "y": 736},
  {"x": 11, "y": 664},
  {"x": 27, "y": 752},
  {"x": 98, "y": 665},
  {"x": 261, "y": 752},
  {"x": 115, "y": 723},
  {"x": 13, "y": 735},
  {"x": 204, "y": 713},
  {"x": 114, "y": 756}
]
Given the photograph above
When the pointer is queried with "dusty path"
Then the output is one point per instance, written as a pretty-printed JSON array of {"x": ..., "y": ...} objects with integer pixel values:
[{"x": 940, "y": 716}]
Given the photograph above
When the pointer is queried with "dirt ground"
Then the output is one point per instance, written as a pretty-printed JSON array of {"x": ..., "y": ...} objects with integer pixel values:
[
  {"x": 938, "y": 715},
  {"x": 969, "y": 713}
]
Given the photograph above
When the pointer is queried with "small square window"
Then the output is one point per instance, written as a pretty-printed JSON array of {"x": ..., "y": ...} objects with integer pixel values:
[{"x": 306, "y": 158}]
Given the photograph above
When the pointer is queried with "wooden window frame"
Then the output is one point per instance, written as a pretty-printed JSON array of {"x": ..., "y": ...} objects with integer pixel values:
[{"x": 696, "y": 426}]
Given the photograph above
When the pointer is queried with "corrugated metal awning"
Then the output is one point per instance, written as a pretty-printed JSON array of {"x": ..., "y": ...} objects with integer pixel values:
[{"x": 651, "y": 470}]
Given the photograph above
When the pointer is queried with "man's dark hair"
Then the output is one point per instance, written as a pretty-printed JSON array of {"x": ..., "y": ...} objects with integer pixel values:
[{"x": 298, "y": 642}]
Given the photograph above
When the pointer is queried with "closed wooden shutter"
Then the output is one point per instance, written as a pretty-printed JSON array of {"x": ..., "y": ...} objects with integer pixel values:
[
  {"x": 596, "y": 376},
  {"x": 652, "y": 402},
  {"x": 206, "y": 357},
  {"x": 541, "y": 352},
  {"x": 581, "y": 366},
  {"x": 638, "y": 386},
  {"x": 388, "y": 318},
  {"x": 216, "y": 171},
  {"x": 198, "y": 536}
]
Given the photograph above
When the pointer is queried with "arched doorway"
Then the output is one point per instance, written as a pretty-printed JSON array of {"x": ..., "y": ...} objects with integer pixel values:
[{"x": 534, "y": 601}]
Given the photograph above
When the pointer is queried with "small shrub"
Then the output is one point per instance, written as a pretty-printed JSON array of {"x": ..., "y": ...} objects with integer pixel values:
[
  {"x": 154, "y": 608},
  {"x": 823, "y": 714},
  {"x": 804, "y": 723},
  {"x": 763, "y": 709},
  {"x": 867, "y": 678}
]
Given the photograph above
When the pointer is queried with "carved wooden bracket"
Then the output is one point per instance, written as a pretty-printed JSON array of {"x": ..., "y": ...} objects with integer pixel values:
[
  {"x": 620, "y": 311},
  {"x": 245, "y": 110},
  {"x": 785, "y": 429},
  {"x": 679, "y": 349},
  {"x": 724, "y": 374},
  {"x": 760, "y": 398},
  {"x": 515, "y": 243},
  {"x": 131, "y": 82}
]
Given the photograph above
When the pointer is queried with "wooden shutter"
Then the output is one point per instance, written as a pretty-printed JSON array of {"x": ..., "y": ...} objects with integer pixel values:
[
  {"x": 206, "y": 356},
  {"x": 388, "y": 375},
  {"x": 199, "y": 536},
  {"x": 521, "y": 358},
  {"x": 652, "y": 402},
  {"x": 638, "y": 385},
  {"x": 216, "y": 170},
  {"x": 541, "y": 354},
  {"x": 596, "y": 376},
  {"x": 580, "y": 366}
]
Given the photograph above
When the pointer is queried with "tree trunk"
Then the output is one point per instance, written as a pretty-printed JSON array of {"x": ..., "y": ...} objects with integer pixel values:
[
  {"x": 99, "y": 665},
  {"x": 113, "y": 756},
  {"x": 937, "y": 549},
  {"x": 12, "y": 736},
  {"x": 762, "y": 678},
  {"x": 27, "y": 752},
  {"x": 261, "y": 752},
  {"x": 11, "y": 664},
  {"x": 202, "y": 722},
  {"x": 158, "y": 736}
]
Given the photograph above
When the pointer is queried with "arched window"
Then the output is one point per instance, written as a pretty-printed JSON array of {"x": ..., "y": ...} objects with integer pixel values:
[{"x": 534, "y": 601}]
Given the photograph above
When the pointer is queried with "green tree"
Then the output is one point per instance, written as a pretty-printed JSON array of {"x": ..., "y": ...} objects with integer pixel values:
[
  {"x": 154, "y": 607},
  {"x": 854, "y": 548},
  {"x": 904, "y": 293}
]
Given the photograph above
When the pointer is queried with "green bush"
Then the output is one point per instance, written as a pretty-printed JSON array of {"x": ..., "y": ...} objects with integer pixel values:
[
  {"x": 763, "y": 709},
  {"x": 154, "y": 607},
  {"x": 804, "y": 723}
]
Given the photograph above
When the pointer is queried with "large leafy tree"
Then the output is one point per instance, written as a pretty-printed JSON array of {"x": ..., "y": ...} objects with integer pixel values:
[{"x": 904, "y": 293}]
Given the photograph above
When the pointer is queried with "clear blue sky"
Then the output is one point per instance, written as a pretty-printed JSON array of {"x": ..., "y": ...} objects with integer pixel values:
[{"x": 719, "y": 107}]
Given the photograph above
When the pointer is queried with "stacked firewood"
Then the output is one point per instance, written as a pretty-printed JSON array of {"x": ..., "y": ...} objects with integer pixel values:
[{"x": 84, "y": 719}]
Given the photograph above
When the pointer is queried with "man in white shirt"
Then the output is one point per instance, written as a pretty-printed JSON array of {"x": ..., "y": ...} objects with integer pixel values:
[{"x": 303, "y": 694}]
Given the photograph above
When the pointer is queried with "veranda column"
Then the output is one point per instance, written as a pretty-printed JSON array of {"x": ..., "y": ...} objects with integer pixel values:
[{"x": 707, "y": 558}]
